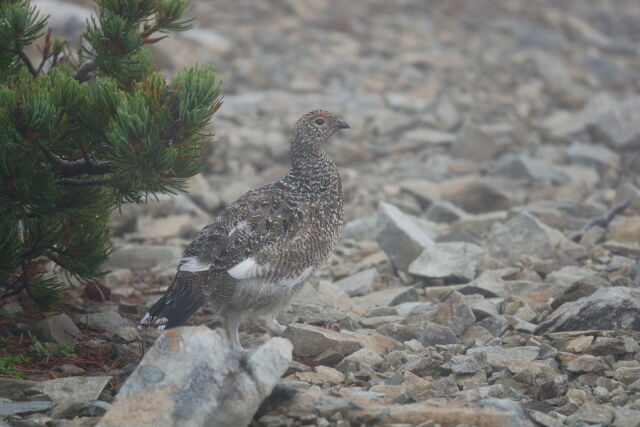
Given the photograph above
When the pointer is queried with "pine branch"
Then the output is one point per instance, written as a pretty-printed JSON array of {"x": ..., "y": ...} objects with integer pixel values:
[
  {"x": 83, "y": 166},
  {"x": 18, "y": 51},
  {"x": 84, "y": 182}
]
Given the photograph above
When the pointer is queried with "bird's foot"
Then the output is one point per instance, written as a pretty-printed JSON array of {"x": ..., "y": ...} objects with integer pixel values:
[{"x": 274, "y": 327}]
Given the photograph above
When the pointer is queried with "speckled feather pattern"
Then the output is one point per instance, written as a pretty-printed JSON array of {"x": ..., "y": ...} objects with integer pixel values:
[{"x": 286, "y": 230}]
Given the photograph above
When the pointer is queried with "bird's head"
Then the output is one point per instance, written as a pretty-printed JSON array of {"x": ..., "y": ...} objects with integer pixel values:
[{"x": 315, "y": 127}]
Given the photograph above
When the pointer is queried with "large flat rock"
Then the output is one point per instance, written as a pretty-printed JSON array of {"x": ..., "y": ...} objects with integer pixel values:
[{"x": 192, "y": 377}]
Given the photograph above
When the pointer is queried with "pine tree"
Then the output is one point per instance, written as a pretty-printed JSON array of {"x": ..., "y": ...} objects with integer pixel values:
[{"x": 81, "y": 133}]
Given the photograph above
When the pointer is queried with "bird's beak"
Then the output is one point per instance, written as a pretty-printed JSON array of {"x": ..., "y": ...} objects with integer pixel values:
[{"x": 341, "y": 124}]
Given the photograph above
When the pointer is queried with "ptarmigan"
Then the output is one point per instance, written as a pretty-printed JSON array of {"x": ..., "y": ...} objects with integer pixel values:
[{"x": 260, "y": 249}]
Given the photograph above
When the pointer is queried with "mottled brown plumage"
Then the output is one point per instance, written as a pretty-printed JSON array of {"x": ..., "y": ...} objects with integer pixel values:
[{"x": 259, "y": 251}]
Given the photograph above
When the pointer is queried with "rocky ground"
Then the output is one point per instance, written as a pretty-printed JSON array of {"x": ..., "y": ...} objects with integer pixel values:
[{"x": 467, "y": 289}]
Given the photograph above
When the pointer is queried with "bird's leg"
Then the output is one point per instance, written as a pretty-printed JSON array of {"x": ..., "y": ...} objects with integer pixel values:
[
  {"x": 272, "y": 325},
  {"x": 232, "y": 319}
]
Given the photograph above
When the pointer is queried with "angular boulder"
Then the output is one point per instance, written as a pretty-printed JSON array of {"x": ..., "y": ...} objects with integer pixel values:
[
  {"x": 608, "y": 308},
  {"x": 191, "y": 376},
  {"x": 400, "y": 237}
]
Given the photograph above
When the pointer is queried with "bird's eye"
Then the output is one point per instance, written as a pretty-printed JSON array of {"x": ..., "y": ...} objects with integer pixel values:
[{"x": 319, "y": 121}]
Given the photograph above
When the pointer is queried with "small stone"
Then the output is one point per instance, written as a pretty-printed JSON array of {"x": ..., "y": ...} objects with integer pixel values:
[
  {"x": 399, "y": 236},
  {"x": 587, "y": 363},
  {"x": 590, "y": 413},
  {"x": 23, "y": 408},
  {"x": 525, "y": 235},
  {"x": 618, "y": 126},
  {"x": 455, "y": 261},
  {"x": 498, "y": 357},
  {"x": 556, "y": 387},
  {"x": 57, "y": 329},
  {"x": 360, "y": 283},
  {"x": 424, "y": 136},
  {"x": 363, "y": 359},
  {"x": 445, "y": 212},
  {"x": 475, "y": 194},
  {"x": 469, "y": 364},
  {"x": 617, "y": 345},
  {"x": 108, "y": 321},
  {"x": 530, "y": 169},
  {"x": 387, "y": 297},
  {"x": 593, "y": 155},
  {"x": 455, "y": 314},
  {"x": 578, "y": 344},
  {"x": 482, "y": 143},
  {"x": 311, "y": 341},
  {"x": 626, "y": 417},
  {"x": 432, "y": 334},
  {"x": 606, "y": 309},
  {"x": 11, "y": 309}
]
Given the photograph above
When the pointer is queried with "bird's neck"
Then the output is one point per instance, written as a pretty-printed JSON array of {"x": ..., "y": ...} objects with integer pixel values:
[{"x": 313, "y": 169}]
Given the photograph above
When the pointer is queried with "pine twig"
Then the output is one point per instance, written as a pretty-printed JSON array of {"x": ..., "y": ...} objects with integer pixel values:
[
  {"x": 83, "y": 166},
  {"x": 25, "y": 278},
  {"x": 601, "y": 221},
  {"x": 84, "y": 182},
  {"x": 18, "y": 50}
]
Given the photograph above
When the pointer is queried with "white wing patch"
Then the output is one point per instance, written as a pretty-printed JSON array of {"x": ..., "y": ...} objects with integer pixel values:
[
  {"x": 239, "y": 227},
  {"x": 192, "y": 265},
  {"x": 243, "y": 269}
]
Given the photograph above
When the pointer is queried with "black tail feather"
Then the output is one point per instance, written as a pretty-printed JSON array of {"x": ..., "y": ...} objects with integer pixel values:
[{"x": 172, "y": 309}]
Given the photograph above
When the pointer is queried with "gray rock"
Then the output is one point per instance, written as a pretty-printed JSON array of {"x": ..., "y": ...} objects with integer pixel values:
[
  {"x": 57, "y": 329},
  {"x": 587, "y": 363},
  {"x": 108, "y": 321},
  {"x": 484, "y": 392},
  {"x": 390, "y": 296},
  {"x": 593, "y": 155},
  {"x": 143, "y": 256},
  {"x": 525, "y": 235},
  {"x": 488, "y": 284},
  {"x": 628, "y": 191},
  {"x": 92, "y": 408},
  {"x": 518, "y": 416},
  {"x": 400, "y": 237},
  {"x": 482, "y": 143},
  {"x": 590, "y": 413},
  {"x": 432, "y": 334},
  {"x": 580, "y": 289},
  {"x": 191, "y": 376},
  {"x": 530, "y": 169},
  {"x": 498, "y": 357},
  {"x": 23, "y": 408},
  {"x": 555, "y": 387},
  {"x": 360, "y": 229},
  {"x": 424, "y": 136},
  {"x": 11, "y": 309},
  {"x": 624, "y": 417},
  {"x": 619, "y": 126},
  {"x": 360, "y": 283},
  {"x": 312, "y": 341},
  {"x": 445, "y": 212},
  {"x": 455, "y": 261},
  {"x": 455, "y": 314},
  {"x": 475, "y": 194},
  {"x": 73, "y": 389},
  {"x": 469, "y": 364},
  {"x": 606, "y": 309}
]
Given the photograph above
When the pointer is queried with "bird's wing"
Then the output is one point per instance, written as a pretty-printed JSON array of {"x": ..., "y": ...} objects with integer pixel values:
[{"x": 260, "y": 219}]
